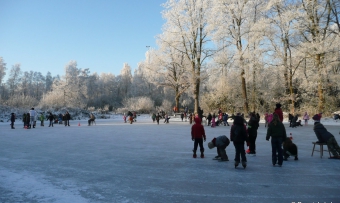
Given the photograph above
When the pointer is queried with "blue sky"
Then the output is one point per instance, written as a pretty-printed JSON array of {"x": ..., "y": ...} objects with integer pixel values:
[{"x": 44, "y": 35}]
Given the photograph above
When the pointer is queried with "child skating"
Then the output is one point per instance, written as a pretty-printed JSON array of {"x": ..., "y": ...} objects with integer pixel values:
[{"x": 198, "y": 135}]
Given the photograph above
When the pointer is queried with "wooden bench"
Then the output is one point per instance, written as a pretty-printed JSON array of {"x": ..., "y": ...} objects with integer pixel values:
[{"x": 321, "y": 148}]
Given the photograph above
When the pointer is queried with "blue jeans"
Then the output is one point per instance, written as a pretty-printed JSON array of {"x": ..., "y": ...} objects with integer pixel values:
[
  {"x": 239, "y": 148},
  {"x": 276, "y": 148}
]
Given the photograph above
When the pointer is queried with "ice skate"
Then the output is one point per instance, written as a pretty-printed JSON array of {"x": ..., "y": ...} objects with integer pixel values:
[
  {"x": 244, "y": 164},
  {"x": 194, "y": 155},
  {"x": 236, "y": 163}
]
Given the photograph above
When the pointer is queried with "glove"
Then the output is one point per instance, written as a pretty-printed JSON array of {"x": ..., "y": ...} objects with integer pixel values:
[
  {"x": 205, "y": 139},
  {"x": 267, "y": 139}
]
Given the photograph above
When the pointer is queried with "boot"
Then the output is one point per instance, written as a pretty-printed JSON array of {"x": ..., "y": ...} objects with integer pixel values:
[
  {"x": 244, "y": 164},
  {"x": 296, "y": 158},
  {"x": 202, "y": 153},
  {"x": 194, "y": 155},
  {"x": 236, "y": 163}
]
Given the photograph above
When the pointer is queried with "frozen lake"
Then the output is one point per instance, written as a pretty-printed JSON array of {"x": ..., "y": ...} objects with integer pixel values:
[{"x": 114, "y": 161}]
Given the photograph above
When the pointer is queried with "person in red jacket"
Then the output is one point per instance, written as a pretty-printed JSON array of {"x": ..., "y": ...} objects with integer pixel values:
[
  {"x": 198, "y": 135},
  {"x": 278, "y": 111}
]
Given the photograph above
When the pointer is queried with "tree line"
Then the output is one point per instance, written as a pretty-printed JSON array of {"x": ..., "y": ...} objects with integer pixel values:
[{"x": 237, "y": 55}]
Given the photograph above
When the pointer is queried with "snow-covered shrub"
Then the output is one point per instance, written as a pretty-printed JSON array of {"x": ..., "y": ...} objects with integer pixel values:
[
  {"x": 139, "y": 104},
  {"x": 21, "y": 101}
]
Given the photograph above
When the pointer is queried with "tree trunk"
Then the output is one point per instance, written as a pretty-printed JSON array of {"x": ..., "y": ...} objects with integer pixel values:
[
  {"x": 321, "y": 102},
  {"x": 244, "y": 94}
]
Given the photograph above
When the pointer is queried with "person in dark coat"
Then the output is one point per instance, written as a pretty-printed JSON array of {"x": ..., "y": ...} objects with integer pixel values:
[
  {"x": 157, "y": 118},
  {"x": 28, "y": 120},
  {"x": 209, "y": 117},
  {"x": 221, "y": 143},
  {"x": 238, "y": 135},
  {"x": 279, "y": 112},
  {"x": 24, "y": 119},
  {"x": 182, "y": 116},
  {"x": 50, "y": 118},
  {"x": 253, "y": 125},
  {"x": 198, "y": 135},
  {"x": 277, "y": 131},
  {"x": 12, "y": 120},
  {"x": 225, "y": 119},
  {"x": 67, "y": 118},
  {"x": 289, "y": 149},
  {"x": 325, "y": 137}
]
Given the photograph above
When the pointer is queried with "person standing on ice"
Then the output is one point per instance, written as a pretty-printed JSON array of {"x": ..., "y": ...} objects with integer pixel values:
[
  {"x": 279, "y": 112},
  {"x": 198, "y": 135},
  {"x": 213, "y": 122},
  {"x": 253, "y": 125},
  {"x": 33, "y": 113},
  {"x": 67, "y": 118},
  {"x": 277, "y": 131},
  {"x": 42, "y": 118},
  {"x": 238, "y": 135},
  {"x": 157, "y": 118},
  {"x": 326, "y": 137},
  {"x": 12, "y": 120},
  {"x": 51, "y": 119},
  {"x": 306, "y": 118}
]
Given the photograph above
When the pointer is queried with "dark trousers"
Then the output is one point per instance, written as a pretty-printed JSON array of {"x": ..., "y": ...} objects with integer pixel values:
[
  {"x": 198, "y": 141},
  {"x": 252, "y": 140},
  {"x": 12, "y": 124},
  {"x": 276, "y": 148},
  {"x": 89, "y": 121},
  {"x": 239, "y": 152},
  {"x": 51, "y": 123},
  {"x": 221, "y": 152},
  {"x": 67, "y": 122}
]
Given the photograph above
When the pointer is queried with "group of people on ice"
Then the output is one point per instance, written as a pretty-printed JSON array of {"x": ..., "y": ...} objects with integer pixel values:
[
  {"x": 242, "y": 132},
  {"x": 30, "y": 119}
]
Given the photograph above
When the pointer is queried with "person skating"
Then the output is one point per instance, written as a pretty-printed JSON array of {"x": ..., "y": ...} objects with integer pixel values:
[
  {"x": 279, "y": 112},
  {"x": 198, "y": 135},
  {"x": 42, "y": 118},
  {"x": 238, "y": 135},
  {"x": 325, "y": 137},
  {"x": 51, "y": 119},
  {"x": 91, "y": 119},
  {"x": 221, "y": 143},
  {"x": 209, "y": 117},
  {"x": 12, "y": 120},
  {"x": 225, "y": 119},
  {"x": 67, "y": 118},
  {"x": 157, "y": 118},
  {"x": 277, "y": 131},
  {"x": 32, "y": 114},
  {"x": 253, "y": 125}
]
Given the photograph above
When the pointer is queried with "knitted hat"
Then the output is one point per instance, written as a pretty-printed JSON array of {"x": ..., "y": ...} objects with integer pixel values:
[
  {"x": 278, "y": 105},
  {"x": 316, "y": 118},
  {"x": 211, "y": 145}
]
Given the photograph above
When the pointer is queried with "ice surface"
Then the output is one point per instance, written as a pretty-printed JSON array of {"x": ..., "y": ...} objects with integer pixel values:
[{"x": 114, "y": 161}]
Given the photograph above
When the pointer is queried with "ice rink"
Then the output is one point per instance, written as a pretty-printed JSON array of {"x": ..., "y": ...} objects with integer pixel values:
[{"x": 144, "y": 162}]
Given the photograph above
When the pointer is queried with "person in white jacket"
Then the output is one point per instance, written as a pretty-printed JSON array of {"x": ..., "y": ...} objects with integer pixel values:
[{"x": 33, "y": 115}]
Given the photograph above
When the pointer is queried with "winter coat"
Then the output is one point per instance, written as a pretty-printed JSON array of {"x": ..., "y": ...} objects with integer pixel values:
[
  {"x": 238, "y": 131},
  {"x": 253, "y": 125},
  {"x": 13, "y": 118},
  {"x": 197, "y": 130},
  {"x": 67, "y": 116},
  {"x": 321, "y": 132},
  {"x": 225, "y": 117},
  {"x": 42, "y": 117},
  {"x": 209, "y": 117},
  {"x": 221, "y": 141},
  {"x": 279, "y": 112},
  {"x": 51, "y": 117},
  {"x": 306, "y": 117},
  {"x": 276, "y": 131}
]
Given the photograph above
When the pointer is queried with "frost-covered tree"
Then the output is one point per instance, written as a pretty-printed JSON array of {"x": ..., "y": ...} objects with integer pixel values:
[
  {"x": 2, "y": 69},
  {"x": 232, "y": 21},
  {"x": 125, "y": 81},
  {"x": 14, "y": 78},
  {"x": 166, "y": 67},
  {"x": 186, "y": 31},
  {"x": 318, "y": 39}
]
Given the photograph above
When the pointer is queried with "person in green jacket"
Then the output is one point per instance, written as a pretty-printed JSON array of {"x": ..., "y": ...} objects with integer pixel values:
[
  {"x": 42, "y": 118},
  {"x": 277, "y": 131}
]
